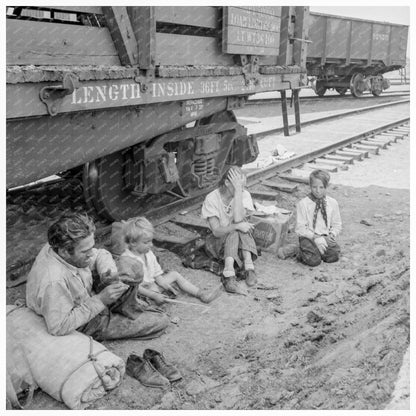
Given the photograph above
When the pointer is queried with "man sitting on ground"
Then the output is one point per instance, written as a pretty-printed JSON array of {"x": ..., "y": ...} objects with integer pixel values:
[{"x": 59, "y": 286}]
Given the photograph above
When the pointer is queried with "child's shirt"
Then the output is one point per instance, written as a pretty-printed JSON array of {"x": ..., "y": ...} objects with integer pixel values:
[
  {"x": 214, "y": 207},
  {"x": 305, "y": 209},
  {"x": 151, "y": 267}
]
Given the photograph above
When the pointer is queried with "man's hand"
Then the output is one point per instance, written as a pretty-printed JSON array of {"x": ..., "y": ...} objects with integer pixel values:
[
  {"x": 112, "y": 292},
  {"x": 244, "y": 226},
  {"x": 321, "y": 243}
]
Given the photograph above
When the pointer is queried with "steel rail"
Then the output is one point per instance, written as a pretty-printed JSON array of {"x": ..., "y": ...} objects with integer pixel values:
[
  {"x": 265, "y": 101},
  {"x": 279, "y": 130}
]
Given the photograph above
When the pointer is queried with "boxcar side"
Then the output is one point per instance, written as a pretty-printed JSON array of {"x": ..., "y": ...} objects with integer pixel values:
[
  {"x": 140, "y": 99},
  {"x": 347, "y": 53}
]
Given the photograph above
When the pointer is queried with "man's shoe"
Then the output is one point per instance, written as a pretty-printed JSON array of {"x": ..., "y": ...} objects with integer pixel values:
[
  {"x": 142, "y": 370},
  {"x": 208, "y": 297},
  {"x": 168, "y": 371},
  {"x": 232, "y": 286},
  {"x": 251, "y": 278}
]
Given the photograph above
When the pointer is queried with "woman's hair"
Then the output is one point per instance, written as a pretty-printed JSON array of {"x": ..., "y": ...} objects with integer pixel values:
[
  {"x": 322, "y": 175},
  {"x": 136, "y": 228},
  {"x": 69, "y": 230}
]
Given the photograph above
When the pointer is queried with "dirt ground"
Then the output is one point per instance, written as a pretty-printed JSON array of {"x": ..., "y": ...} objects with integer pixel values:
[{"x": 330, "y": 337}]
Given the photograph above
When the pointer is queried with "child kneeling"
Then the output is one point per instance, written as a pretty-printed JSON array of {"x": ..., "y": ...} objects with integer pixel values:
[
  {"x": 138, "y": 236},
  {"x": 318, "y": 223}
]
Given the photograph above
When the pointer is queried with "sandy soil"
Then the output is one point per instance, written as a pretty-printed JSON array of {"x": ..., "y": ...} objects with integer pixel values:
[{"x": 330, "y": 337}]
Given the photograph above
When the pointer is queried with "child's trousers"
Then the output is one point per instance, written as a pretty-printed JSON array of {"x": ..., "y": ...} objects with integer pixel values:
[{"x": 310, "y": 255}]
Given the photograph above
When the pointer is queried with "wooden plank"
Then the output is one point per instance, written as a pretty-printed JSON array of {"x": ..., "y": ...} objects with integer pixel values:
[
  {"x": 266, "y": 195},
  {"x": 188, "y": 15},
  {"x": 383, "y": 143},
  {"x": 297, "y": 175},
  {"x": 143, "y": 21},
  {"x": 81, "y": 9},
  {"x": 324, "y": 161},
  {"x": 343, "y": 159},
  {"x": 192, "y": 221},
  {"x": 174, "y": 49},
  {"x": 248, "y": 31},
  {"x": 314, "y": 166},
  {"x": 118, "y": 23},
  {"x": 392, "y": 137},
  {"x": 173, "y": 239},
  {"x": 357, "y": 155},
  {"x": 280, "y": 186},
  {"x": 40, "y": 43},
  {"x": 370, "y": 149}
]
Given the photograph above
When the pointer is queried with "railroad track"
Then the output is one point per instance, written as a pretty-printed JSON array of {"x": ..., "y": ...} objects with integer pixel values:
[
  {"x": 304, "y": 99},
  {"x": 278, "y": 177}
]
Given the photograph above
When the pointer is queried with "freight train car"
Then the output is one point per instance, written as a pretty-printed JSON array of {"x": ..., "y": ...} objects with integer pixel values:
[
  {"x": 346, "y": 53},
  {"x": 139, "y": 100}
]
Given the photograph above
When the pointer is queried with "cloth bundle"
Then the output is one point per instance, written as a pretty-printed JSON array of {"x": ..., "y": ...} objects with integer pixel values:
[{"x": 73, "y": 369}]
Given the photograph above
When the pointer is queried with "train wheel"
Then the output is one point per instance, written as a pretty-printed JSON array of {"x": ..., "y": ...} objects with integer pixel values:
[
  {"x": 377, "y": 85},
  {"x": 357, "y": 85},
  {"x": 320, "y": 88},
  {"x": 341, "y": 90},
  {"x": 104, "y": 189}
]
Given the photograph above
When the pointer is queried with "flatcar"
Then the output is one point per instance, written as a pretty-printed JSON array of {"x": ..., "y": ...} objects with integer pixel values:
[
  {"x": 139, "y": 100},
  {"x": 353, "y": 54}
]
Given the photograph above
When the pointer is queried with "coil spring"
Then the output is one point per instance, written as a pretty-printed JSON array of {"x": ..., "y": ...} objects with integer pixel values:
[{"x": 204, "y": 167}]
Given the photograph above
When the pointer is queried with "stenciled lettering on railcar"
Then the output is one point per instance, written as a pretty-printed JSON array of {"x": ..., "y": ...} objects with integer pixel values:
[
  {"x": 124, "y": 93},
  {"x": 381, "y": 36},
  {"x": 251, "y": 30}
]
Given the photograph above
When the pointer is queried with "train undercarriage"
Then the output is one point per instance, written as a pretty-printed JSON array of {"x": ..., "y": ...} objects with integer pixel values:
[{"x": 175, "y": 165}]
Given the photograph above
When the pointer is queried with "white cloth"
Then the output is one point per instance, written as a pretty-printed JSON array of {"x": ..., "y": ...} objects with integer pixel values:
[
  {"x": 151, "y": 267},
  {"x": 304, "y": 218},
  {"x": 60, "y": 366},
  {"x": 62, "y": 293},
  {"x": 214, "y": 207}
]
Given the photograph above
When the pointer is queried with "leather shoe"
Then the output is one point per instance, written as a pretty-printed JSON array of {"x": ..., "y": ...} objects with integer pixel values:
[
  {"x": 251, "y": 278},
  {"x": 158, "y": 361},
  {"x": 232, "y": 286},
  {"x": 142, "y": 370},
  {"x": 208, "y": 297}
]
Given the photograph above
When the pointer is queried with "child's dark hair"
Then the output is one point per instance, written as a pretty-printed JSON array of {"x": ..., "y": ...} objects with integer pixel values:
[{"x": 322, "y": 175}]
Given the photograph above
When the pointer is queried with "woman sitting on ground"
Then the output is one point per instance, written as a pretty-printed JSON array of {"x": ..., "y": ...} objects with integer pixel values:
[{"x": 225, "y": 209}]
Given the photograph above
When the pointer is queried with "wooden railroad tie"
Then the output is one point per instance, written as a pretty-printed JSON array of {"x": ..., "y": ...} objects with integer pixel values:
[
  {"x": 297, "y": 175},
  {"x": 369, "y": 142},
  {"x": 265, "y": 195},
  {"x": 356, "y": 154},
  {"x": 394, "y": 137},
  {"x": 191, "y": 221},
  {"x": 343, "y": 159},
  {"x": 371, "y": 149},
  {"x": 313, "y": 166},
  {"x": 388, "y": 138},
  {"x": 336, "y": 163},
  {"x": 280, "y": 186}
]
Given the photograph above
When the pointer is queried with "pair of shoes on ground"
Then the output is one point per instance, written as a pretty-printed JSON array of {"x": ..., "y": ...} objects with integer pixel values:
[
  {"x": 231, "y": 285},
  {"x": 152, "y": 370}
]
